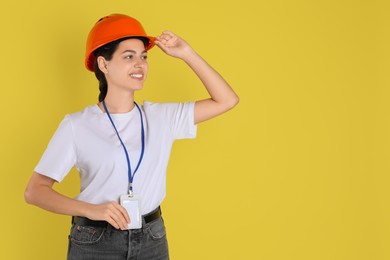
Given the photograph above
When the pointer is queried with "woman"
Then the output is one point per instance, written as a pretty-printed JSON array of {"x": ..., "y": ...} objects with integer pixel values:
[{"x": 120, "y": 148}]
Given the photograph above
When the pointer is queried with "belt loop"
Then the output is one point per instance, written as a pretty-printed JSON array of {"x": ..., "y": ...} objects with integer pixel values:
[
  {"x": 143, "y": 223},
  {"x": 109, "y": 229}
]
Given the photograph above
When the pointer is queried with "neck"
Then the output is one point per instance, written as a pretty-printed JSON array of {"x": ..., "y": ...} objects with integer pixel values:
[{"x": 118, "y": 102}]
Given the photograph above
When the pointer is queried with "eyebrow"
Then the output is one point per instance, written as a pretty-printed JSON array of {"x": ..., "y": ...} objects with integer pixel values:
[{"x": 134, "y": 51}]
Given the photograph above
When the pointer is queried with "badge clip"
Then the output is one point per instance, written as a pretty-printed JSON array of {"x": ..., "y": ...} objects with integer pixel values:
[{"x": 130, "y": 188}]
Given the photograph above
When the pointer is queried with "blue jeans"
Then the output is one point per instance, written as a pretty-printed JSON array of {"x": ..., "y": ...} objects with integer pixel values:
[{"x": 147, "y": 243}]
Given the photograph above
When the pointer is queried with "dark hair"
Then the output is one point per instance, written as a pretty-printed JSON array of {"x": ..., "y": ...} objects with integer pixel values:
[{"x": 107, "y": 51}]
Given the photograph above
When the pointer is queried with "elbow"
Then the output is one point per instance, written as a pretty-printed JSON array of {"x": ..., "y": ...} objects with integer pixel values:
[
  {"x": 28, "y": 196},
  {"x": 229, "y": 104},
  {"x": 37, "y": 189},
  {"x": 236, "y": 101},
  {"x": 233, "y": 102}
]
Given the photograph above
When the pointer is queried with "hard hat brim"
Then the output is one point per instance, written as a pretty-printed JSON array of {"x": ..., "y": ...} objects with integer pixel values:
[{"x": 90, "y": 60}]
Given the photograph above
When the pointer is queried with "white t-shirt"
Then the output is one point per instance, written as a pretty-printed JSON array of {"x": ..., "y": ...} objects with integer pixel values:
[{"x": 87, "y": 140}]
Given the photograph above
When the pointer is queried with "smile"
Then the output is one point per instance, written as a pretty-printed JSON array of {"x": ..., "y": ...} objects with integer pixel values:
[{"x": 137, "y": 75}]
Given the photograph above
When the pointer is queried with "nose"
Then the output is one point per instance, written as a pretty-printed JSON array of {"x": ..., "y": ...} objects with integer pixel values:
[{"x": 139, "y": 63}]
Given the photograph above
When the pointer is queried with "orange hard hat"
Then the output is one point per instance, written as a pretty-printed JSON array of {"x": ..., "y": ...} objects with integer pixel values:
[{"x": 110, "y": 28}]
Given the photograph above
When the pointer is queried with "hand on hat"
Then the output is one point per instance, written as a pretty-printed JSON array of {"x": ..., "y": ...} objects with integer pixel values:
[{"x": 173, "y": 45}]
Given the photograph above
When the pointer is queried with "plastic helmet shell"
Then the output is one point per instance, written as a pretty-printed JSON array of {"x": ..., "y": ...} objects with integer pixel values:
[{"x": 111, "y": 28}]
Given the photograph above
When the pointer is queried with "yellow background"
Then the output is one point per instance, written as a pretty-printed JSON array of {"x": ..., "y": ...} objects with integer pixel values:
[{"x": 299, "y": 170}]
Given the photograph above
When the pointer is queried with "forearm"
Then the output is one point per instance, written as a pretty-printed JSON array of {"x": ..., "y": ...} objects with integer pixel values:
[
  {"x": 40, "y": 192},
  {"x": 47, "y": 198},
  {"x": 222, "y": 97},
  {"x": 218, "y": 89}
]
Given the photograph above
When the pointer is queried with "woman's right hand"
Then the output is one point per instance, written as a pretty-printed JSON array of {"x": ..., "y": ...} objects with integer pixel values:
[
  {"x": 111, "y": 212},
  {"x": 40, "y": 192}
]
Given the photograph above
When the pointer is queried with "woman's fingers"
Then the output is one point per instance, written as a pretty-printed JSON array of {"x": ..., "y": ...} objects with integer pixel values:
[
  {"x": 166, "y": 35},
  {"x": 122, "y": 217},
  {"x": 167, "y": 38},
  {"x": 172, "y": 44},
  {"x": 119, "y": 215},
  {"x": 111, "y": 212}
]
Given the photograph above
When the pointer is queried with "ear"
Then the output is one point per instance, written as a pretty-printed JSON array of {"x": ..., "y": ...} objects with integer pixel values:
[{"x": 102, "y": 64}]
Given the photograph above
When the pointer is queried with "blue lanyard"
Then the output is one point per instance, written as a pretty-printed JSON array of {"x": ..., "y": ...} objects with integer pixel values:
[{"x": 131, "y": 176}]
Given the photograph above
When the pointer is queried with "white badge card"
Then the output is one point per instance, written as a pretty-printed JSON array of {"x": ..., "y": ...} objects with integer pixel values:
[{"x": 133, "y": 206}]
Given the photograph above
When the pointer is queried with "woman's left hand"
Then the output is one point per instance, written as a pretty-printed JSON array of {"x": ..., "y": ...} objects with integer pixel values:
[{"x": 173, "y": 45}]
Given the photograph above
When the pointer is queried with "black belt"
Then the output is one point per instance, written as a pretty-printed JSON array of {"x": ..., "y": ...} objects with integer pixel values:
[{"x": 155, "y": 214}]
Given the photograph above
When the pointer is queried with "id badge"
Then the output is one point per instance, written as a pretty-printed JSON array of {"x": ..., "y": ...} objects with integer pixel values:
[{"x": 132, "y": 204}]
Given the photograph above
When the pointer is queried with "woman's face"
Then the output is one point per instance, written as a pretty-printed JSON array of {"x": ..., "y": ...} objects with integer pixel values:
[{"x": 128, "y": 67}]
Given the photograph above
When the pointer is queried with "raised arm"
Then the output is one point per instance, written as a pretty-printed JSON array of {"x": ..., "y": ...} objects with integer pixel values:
[
  {"x": 222, "y": 97},
  {"x": 40, "y": 192}
]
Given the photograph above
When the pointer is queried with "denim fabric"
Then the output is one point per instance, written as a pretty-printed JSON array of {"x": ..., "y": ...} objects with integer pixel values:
[{"x": 108, "y": 243}]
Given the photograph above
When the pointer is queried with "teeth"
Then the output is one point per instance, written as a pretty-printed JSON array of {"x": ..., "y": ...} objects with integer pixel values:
[{"x": 138, "y": 76}]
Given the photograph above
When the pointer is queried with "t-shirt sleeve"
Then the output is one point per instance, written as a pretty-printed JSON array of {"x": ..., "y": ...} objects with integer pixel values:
[
  {"x": 59, "y": 156},
  {"x": 178, "y": 116}
]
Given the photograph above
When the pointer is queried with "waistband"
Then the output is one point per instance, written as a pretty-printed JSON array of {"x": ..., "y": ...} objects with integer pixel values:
[{"x": 155, "y": 214}]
